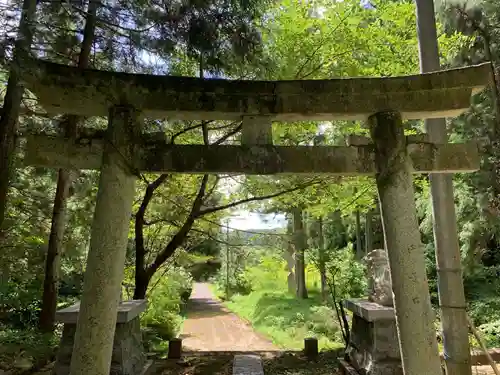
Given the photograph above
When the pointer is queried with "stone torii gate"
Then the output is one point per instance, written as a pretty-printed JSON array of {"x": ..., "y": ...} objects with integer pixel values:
[{"x": 123, "y": 149}]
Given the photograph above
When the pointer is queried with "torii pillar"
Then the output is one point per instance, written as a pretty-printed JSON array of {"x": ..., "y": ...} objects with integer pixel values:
[
  {"x": 106, "y": 258},
  {"x": 414, "y": 315}
]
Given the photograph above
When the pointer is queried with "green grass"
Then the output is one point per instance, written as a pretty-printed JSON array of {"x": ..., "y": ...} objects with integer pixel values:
[{"x": 287, "y": 320}]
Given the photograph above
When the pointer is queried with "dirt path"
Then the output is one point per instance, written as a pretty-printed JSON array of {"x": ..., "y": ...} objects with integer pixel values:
[{"x": 210, "y": 326}]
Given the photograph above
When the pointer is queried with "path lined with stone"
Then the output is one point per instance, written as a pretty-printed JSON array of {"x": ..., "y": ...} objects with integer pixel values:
[{"x": 211, "y": 327}]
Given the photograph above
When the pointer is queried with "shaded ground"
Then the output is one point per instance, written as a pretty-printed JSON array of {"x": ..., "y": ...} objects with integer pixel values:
[
  {"x": 483, "y": 370},
  {"x": 216, "y": 365},
  {"x": 274, "y": 364},
  {"x": 297, "y": 364},
  {"x": 211, "y": 327}
]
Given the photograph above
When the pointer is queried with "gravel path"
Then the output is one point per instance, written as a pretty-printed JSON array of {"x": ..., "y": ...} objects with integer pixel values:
[{"x": 211, "y": 327}]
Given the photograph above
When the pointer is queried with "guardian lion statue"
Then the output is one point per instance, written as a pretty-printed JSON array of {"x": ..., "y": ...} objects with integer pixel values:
[{"x": 379, "y": 278}]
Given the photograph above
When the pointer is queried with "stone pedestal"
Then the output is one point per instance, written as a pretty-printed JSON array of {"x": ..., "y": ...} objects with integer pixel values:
[
  {"x": 373, "y": 345},
  {"x": 128, "y": 352}
]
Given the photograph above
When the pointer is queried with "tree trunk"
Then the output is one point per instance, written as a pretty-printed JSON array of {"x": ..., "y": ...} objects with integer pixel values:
[
  {"x": 368, "y": 232},
  {"x": 300, "y": 247},
  {"x": 495, "y": 133},
  {"x": 450, "y": 283},
  {"x": 9, "y": 114},
  {"x": 322, "y": 260},
  {"x": 59, "y": 214},
  {"x": 93, "y": 346},
  {"x": 141, "y": 284},
  {"x": 290, "y": 257},
  {"x": 359, "y": 243},
  {"x": 494, "y": 89},
  {"x": 54, "y": 249}
]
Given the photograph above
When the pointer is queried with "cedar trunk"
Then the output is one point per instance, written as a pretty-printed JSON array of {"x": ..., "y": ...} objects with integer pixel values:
[
  {"x": 359, "y": 243},
  {"x": 300, "y": 246},
  {"x": 290, "y": 258},
  {"x": 59, "y": 214},
  {"x": 368, "y": 232},
  {"x": 9, "y": 114},
  {"x": 52, "y": 261},
  {"x": 448, "y": 257},
  {"x": 322, "y": 260}
]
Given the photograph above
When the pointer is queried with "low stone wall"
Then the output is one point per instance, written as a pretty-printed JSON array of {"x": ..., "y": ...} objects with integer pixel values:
[
  {"x": 128, "y": 352},
  {"x": 373, "y": 344}
]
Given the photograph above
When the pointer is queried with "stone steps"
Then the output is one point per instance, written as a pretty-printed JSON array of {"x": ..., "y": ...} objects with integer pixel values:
[{"x": 245, "y": 364}]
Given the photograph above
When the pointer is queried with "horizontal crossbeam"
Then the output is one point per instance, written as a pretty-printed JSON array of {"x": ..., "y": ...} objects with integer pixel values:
[
  {"x": 65, "y": 89},
  {"x": 55, "y": 152}
]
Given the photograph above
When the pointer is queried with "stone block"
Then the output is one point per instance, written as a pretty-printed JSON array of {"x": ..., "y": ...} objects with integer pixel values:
[
  {"x": 127, "y": 310},
  {"x": 247, "y": 365},
  {"x": 128, "y": 356},
  {"x": 369, "y": 311},
  {"x": 373, "y": 344}
]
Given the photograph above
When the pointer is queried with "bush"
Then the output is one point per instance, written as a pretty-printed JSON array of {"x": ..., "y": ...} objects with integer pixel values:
[
  {"x": 346, "y": 273},
  {"x": 268, "y": 274},
  {"x": 485, "y": 310},
  {"x": 166, "y": 295},
  {"x": 168, "y": 291},
  {"x": 323, "y": 321},
  {"x": 20, "y": 302},
  {"x": 22, "y": 349},
  {"x": 491, "y": 333}
]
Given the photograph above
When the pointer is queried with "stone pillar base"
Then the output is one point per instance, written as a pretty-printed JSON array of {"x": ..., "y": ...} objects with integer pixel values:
[
  {"x": 373, "y": 345},
  {"x": 128, "y": 352}
]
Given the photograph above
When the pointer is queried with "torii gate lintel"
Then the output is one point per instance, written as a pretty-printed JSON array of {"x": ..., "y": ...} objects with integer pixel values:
[{"x": 257, "y": 159}]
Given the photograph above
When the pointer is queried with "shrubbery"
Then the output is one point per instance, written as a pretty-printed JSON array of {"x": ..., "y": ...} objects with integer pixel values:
[
  {"x": 268, "y": 274},
  {"x": 491, "y": 333},
  {"x": 168, "y": 291},
  {"x": 345, "y": 275},
  {"x": 23, "y": 349}
]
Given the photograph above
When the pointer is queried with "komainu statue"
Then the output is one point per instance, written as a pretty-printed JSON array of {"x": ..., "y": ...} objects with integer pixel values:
[{"x": 379, "y": 278}]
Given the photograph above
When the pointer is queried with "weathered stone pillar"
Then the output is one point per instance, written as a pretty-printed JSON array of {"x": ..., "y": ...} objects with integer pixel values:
[
  {"x": 103, "y": 276},
  {"x": 414, "y": 315},
  {"x": 449, "y": 268},
  {"x": 128, "y": 356}
]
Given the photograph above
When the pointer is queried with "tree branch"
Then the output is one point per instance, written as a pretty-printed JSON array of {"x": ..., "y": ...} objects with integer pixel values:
[
  {"x": 178, "y": 239},
  {"x": 254, "y": 199},
  {"x": 140, "y": 248},
  {"x": 316, "y": 50}
]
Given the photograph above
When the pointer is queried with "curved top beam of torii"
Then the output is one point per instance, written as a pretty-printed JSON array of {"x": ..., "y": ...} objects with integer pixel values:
[{"x": 65, "y": 89}]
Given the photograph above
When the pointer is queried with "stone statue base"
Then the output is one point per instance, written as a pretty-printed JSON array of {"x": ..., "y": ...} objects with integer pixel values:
[
  {"x": 128, "y": 352},
  {"x": 373, "y": 345}
]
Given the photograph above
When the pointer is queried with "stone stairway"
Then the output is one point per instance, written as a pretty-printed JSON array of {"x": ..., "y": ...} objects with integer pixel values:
[{"x": 247, "y": 364}]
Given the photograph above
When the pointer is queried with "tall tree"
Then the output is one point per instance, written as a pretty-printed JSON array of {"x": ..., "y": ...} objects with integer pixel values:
[
  {"x": 290, "y": 256},
  {"x": 368, "y": 231},
  {"x": 9, "y": 114},
  {"x": 359, "y": 243},
  {"x": 69, "y": 124},
  {"x": 322, "y": 260},
  {"x": 451, "y": 288},
  {"x": 300, "y": 244}
]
